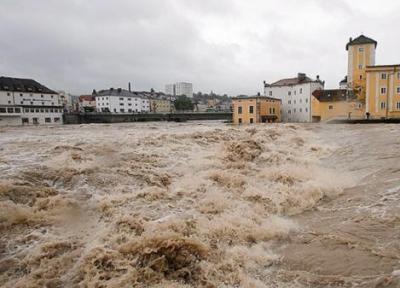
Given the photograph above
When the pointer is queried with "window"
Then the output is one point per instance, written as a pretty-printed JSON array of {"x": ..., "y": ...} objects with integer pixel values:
[
  {"x": 289, "y": 111},
  {"x": 239, "y": 110},
  {"x": 301, "y": 100},
  {"x": 51, "y": 110},
  {"x": 361, "y": 49},
  {"x": 301, "y": 90},
  {"x": 42, "y": 110},
  {"x": 121, "y": 104},
  {"x": 383, "y": 76},
  {"x": 121, "y": 99},
  {"x": 17, "y": 110},
  {"x": 294, "y": 92},
  {"x": 306, "y": 100},
  {"x": 32, "y": 110},
  {"x": 47, "y": 120},
  {"x": 289, "y": 93},
  {"x": 9, "y": 102},
  {"x": 398, "y": 105},
  {"x": 26, "y": 110},
  {"x": 270, "y": 92},
  {"x": 251, "y": 109},
  {"x": 25, "y": 120},
  {"x": 130, "y": 110},
  {"x": 43, "y": 103},
  {"x": 290, "y": 102},
  {"x": 383, "y": 105},
  {"x": 122, "y": 110},
  {"x": 398, "y": 90},
  {"x": 294, "y": 110},
  {"x": 115, "y": 110},
  {"x": 360, "y": 66},
  {"x": 22, "y": 102},
  {"x": 306, "y": 109},
  {"x": 301, "y": 110},
  {"x": 23, "y": 95},
  {"x": 8, "y": 94},
  {"x": 31, "y": 103},
  {"x": 383, "y": 90},
  {"x": 35, "y": 120},
  {"x": 129, "y": 99},
  {"x": 40, "y": 96},
  {"x": 56, "y": 120},
  {"x": 251, "y": 120},
  {"x": 330, "y": 107},
  {"x": 273, "y": 110},
  {"x": 361, "y": 77},
  {"x": 3, "y": 110},
  {"x": 240, "y": 120},
  {"x": 10, "y": 110},
  {"x": 130, "y": 104},
  {"x": 294, "y": 101}
]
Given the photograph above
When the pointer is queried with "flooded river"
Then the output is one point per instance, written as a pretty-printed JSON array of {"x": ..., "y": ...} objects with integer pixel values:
[{"x": 200, "y": 205}]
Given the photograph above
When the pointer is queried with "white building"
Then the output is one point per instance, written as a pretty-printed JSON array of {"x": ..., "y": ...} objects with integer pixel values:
[
  {"x": 180, "y": 88},
  {"x": 25, "y": 101},
  {"x": 296, "y": 96},
  {"x": 121, "y": 101}
]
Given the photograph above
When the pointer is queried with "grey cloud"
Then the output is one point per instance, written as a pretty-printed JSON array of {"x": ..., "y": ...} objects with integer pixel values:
[{"x": 229, "y": 46}]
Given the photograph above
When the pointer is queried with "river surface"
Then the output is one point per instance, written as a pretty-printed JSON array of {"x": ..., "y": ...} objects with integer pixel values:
[{"x": 200, "y": 204}]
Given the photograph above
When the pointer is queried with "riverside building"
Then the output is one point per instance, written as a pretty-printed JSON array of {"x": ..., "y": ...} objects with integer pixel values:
[
  {"x": 296, "y": 96},
  {"x": 121, "y": 101},
  {"x": 27, "y": 102}
]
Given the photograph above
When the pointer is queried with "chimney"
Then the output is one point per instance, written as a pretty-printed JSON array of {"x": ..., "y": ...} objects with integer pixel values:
[
  {"x": 317, "y": 77},
  {"x": 129, "y": 87},
  {"x": 351, "y": 39},
  {"x": 301, "y": 76}
]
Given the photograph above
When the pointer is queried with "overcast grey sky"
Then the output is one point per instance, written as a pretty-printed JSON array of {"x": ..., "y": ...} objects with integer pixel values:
[{"x": 228, "y": 46}]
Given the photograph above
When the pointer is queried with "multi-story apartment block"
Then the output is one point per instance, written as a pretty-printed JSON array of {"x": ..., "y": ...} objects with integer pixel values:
[
  {"x": 121, "y": 101},
  {"x": 296, "y": 95},
  {"x": 180, "y": 88},
  {"x": 25, "y": 101},
  {"x": 256, "y": 109}
]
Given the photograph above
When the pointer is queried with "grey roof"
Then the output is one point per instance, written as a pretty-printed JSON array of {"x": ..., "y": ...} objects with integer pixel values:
[
  {"x": 118, "y": 92},
  {"x": 361, "y": 40},
  {"x": 334, "y": 95},
  {"x": 23, "y": 85},
  {"x": 242, "y": 97},
  {"x": 300, "y": 79}
]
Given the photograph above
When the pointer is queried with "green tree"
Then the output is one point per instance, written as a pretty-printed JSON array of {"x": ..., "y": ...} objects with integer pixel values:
[{"x": 183, "y": 103}]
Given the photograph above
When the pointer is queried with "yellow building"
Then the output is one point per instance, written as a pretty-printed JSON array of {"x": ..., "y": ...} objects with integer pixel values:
[
  {"x": 383, "y": 91},
  {"x": 361, "y": 53},
  {"x": 257, "y": 109},
  {"x": 336, "y": 104},
  {"x": 161, "y": 106}
]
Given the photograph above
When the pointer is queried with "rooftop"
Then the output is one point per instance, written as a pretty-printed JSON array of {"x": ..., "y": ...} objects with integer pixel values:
[
  {"x": 23, "y": 85},
  {"x": 361, "y": 40},
  {"x": 333, "y": 95},
  {"x": 300, "y": 79},
  {"x": 256, "y": 97}
]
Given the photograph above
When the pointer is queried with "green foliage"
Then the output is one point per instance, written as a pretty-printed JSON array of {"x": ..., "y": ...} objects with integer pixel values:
[{"x": 183, "y": 103}]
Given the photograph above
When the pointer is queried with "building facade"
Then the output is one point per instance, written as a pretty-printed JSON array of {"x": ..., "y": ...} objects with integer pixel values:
[
  {"x": 336, "y": 104},
  {"x": 180, "y": 88},
  {"x": 27, "y": 102},
  {"x": 87, "y": 103},
  {"x": 296, "y": 95},
  {"x": 158, "y": 105},
  {"x": 121, "y": 101},
  {"x": 383, "y": 91},
  {"x": 361, "y": 53},
  {"x": 256, "y": 109}
]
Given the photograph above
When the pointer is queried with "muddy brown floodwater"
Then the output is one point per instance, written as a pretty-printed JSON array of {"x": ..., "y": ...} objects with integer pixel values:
[{"x": 200, "y": 205}]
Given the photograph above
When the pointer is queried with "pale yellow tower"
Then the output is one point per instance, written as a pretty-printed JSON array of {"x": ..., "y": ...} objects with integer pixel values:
[{"x": 361, "y": 53}]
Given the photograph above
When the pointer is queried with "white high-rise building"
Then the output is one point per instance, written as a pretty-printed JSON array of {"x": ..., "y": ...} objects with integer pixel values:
[
  {"x": 296, "y": 96},
  {"x": 180, "y": 88}
]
